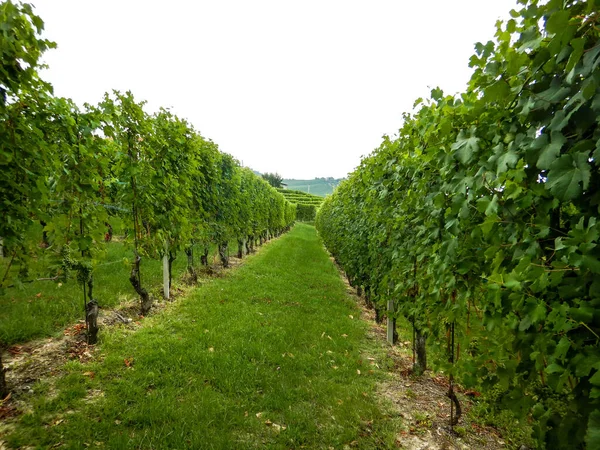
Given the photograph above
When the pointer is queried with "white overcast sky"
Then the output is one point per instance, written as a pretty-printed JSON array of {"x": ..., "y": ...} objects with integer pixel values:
[{"x": 303, "y": 88}]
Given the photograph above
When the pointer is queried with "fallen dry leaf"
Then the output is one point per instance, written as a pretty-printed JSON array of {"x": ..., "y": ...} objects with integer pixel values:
[
  {"x": 57, "y": 422},
  {"x": 89, "y": 374},
  {"x": 75, "y": 329},
  {"x": 473, "y": 393},
  {"x": 15, "y": 350},
  {"x": 278, "y": 428},
  {"x": 259, "y": 415},
  {"x": 7, "y": 411}
]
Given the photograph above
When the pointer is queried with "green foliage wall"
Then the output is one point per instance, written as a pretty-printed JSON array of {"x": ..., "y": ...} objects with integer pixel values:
[
  {"x": 483, "y": 213},
  {"x": 306, "y": 213},
  {"x": 82, "y": 171}
]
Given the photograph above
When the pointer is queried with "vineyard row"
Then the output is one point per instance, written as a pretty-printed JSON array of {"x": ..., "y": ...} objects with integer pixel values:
[{"x": 479, "y": 223}]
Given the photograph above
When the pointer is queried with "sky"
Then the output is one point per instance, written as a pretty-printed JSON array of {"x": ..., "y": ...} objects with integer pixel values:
[{"x": 301, "y": 88}]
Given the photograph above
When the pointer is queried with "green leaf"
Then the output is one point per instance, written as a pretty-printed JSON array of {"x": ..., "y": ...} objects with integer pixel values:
[
  {"x": 569, "y": 176},
  {"x": 539, "y": 313},
  {"x": 492, "y": 207},
  {"x": 525, "y": 323},
  {"x": 592, "y": 437},
  {"x": 497, "y": 91},
  {"x": 512, "y": 282},
  {"x": 554, "y": 368},
  {"x": 557, "y": 21},
  {"x": 577, "y": 45},
  {"x": 507, "y": 160},
  {"x": 590, "y": 263},
  {"x": 584, "y": 364},
  {"x": 437, "y": 94},
  {"x": 584, "y": 313},
  {"x": 465, "y": 147},
  {"x": 595, "y": 380},
  {"x": 538, "y": 410},
  {"x": 562, "y": 348},
  {"x": 551, "y": 151}
]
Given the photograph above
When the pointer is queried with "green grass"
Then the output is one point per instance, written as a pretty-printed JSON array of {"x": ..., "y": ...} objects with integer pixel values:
[
  {"x": 273, "y": 338},
  {"x": 42, "y": 308}
]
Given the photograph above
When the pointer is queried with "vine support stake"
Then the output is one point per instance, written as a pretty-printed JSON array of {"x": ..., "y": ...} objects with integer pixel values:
[{"x": 166, "y": 287}]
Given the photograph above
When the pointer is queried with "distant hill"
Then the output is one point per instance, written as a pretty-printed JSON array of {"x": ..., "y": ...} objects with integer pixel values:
[
  {"x": 306, "y": 204},
  {"x": 301, "y": 197},
  {"x": 318, "y": 186}
]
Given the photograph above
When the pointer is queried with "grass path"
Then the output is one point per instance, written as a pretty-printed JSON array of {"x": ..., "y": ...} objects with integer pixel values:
[{"x": 272, "y": 355}]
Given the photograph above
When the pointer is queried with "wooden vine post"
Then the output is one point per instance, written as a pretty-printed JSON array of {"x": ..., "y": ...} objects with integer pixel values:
[
  {"x": 392, "y": 335},
  {"x": 3, "y": 385}
]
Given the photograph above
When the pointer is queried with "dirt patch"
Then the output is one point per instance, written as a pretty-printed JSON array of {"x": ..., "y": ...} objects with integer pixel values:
[
  {"x": 423, "y": 404},
  {"x": 26, "y": 364}
]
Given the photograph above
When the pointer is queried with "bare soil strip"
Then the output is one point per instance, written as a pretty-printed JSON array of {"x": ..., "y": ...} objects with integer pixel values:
[{"x": 422, "y": 401}]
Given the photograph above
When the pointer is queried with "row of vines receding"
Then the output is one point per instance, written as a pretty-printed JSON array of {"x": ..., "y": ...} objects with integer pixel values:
[
  {"x": 72, "y": 176},
  {"x": 481, "y": 217}
]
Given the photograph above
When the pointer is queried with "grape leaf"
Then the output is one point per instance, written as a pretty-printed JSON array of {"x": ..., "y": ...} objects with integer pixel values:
[
  {"x": 569, "y": 175},
  {"x": 465, "y": 147},
  {"x": 592, "y": 437},
  {"x": 551, "y": 151}
]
